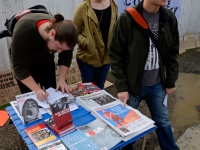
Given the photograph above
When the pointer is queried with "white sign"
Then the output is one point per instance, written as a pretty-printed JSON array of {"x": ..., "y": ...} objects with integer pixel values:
[{"x": 174, "y": 5}]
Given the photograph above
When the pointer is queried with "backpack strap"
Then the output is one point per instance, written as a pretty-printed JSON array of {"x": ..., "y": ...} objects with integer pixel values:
[
  {"x": 137, "y": 17},
  {"x": 4, "y": 33},
  {"x": 10, "y": 23},
  {"x": 143, "y": 26}
]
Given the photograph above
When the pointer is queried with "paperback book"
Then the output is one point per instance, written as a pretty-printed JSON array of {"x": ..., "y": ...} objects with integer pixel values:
[
  {"x": 40, "y": 134},
  {"x": 91, "y": 87},
  {"x": 56, "y": 145},
  {"x": 61, "y": 112},
  {"x": 77, "y": 140},
  {"x": 28, "y": 107},
  {"x": 101, "y": 134},
  {"x": 78, "y": 90}
]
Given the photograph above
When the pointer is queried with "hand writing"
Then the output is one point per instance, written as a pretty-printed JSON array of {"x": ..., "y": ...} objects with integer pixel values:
[{"x": 41, "y": 94}]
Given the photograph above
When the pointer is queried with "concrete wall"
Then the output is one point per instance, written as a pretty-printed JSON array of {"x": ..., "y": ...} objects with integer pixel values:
[{"x": 189, "y": 21}]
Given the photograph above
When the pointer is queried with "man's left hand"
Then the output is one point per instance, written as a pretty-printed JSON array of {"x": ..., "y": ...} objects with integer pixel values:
[
  {"x": 62, "y": 85},
  {"x": 170, "y": 90}
]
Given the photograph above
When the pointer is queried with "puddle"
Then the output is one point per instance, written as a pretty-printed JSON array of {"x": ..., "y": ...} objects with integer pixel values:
[{"x": 187, "y": 99}]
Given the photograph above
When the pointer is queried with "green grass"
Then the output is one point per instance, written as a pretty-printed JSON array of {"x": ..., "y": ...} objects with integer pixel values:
[
  {"x": 188, "y": 50},
  {"x": 3, "y": 107}
]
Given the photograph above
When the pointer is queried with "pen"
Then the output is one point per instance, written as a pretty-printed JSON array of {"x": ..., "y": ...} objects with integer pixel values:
[{"x": 45, "y": 92}]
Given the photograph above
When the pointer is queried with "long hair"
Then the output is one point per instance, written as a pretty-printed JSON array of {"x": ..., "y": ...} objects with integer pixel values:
[{"x": 66, "y": 30}]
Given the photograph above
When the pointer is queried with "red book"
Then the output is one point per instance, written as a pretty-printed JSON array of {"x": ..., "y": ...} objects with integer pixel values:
[
  {"x": 91, "y": 87},
  {"x": 40, "y": 134},
  {"x": 61, "y": 112},
  {"x": 65, "y": 133},
  {"x": 51, "y": 124},
  {"x": 78, "y": 90}
]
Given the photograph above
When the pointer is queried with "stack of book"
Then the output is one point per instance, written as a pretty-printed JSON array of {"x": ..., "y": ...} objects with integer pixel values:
[
  {"x": 81, "y": 89},
  {"x": 78, "y": 90},
  {"x": 60, "y": 131},
  {"x": 91, "y": 87},
  {"x": 61, "y": 121}
]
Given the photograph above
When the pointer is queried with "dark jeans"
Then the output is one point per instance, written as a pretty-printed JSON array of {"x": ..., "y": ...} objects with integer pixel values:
[
  {"x": 44, "y": 76},
  {"x": 154, "y": 96},
  {"x": 89, "y": 73}
]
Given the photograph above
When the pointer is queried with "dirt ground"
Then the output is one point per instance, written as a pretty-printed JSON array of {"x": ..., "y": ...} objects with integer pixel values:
[{"x": 189, "y": 63}]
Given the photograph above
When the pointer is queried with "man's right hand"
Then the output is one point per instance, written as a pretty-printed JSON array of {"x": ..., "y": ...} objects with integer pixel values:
[
  {"x": 41, "y": 94},
  {"x": 123, "y": 96},
  {"x": 33, "y": 86}
]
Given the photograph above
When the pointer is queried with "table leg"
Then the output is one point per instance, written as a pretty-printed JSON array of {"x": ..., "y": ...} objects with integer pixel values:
[
  {"x": 144, "y": 142},
  {"x": 20, "y": 142}
]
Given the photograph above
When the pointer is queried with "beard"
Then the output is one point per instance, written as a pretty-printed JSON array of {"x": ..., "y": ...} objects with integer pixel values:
[{"x": 47, "y": 41}]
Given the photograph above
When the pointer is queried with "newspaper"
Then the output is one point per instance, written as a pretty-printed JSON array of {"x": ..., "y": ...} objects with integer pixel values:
[
  {"x": 15, "y": 106},
  {"x": 124, "y": 120},
  {"x": 101, "y": 134},
  {"x": 95, "y": 99},
  {"x": 127, "y": 138}
]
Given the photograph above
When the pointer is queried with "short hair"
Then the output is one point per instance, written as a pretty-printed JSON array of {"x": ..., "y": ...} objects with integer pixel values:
[
  {"x": 66, "y": 30},
  {"x": 30, "y": 99}
]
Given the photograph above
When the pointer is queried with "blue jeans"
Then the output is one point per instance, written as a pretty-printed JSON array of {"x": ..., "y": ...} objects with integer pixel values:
[
  {"x": 89, "y": 73},
  {"x": 154, "y": 96}
]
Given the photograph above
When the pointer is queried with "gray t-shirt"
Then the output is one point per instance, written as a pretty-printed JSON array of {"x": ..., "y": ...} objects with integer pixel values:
[{"x": 151, "y": 70}]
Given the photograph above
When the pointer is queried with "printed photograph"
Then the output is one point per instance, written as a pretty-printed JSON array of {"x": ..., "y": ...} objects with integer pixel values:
[
  {"x": 41, "y": 135},
  {"x": 60, "y": 104},
  {"x": 78, "y": 90},
  {"x": 124, "y": 129},
  {"x": 118, "y": 115},
  {"x": 30, "y": 110},
  {"x": 91, "y": 88},
  {"x": 103, "y": 99}
]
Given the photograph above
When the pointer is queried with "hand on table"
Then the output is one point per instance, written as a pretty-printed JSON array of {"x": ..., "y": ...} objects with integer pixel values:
[
  {"x": 123, "y": 96},
  {"x": 63, "y": 86}
]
